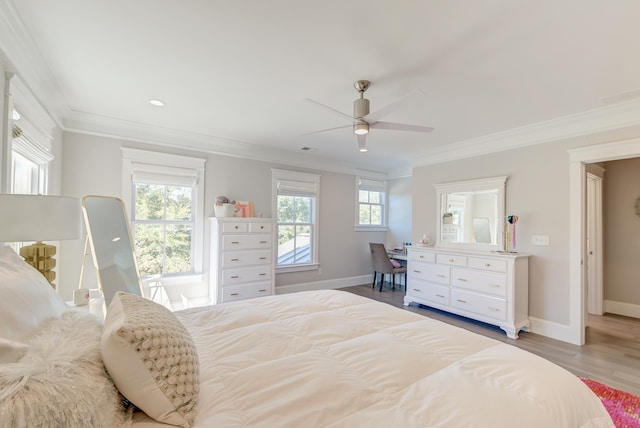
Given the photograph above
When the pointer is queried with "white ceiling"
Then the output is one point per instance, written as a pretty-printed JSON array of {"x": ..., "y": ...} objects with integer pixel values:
[{"x": 235, "y": 74}]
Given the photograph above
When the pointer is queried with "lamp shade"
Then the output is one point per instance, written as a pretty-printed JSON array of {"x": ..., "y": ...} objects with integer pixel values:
[{"x": 39, "y": 218}]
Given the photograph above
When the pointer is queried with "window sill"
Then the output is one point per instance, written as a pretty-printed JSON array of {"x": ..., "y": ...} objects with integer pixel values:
[
  {"x": 370, "y": 228},
  {"x": 297, "y": 268}
]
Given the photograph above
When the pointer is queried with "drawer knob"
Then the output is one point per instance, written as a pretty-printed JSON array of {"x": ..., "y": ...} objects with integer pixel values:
[
  {"x": 487, "y": 265},
  {"x": 262, "y": 274},
  {"x": 235, "y": 276},
  {"x": 262, "y": 290},
  {"x": 234, "y": 294},
  {"x": 417, "y": 289},
  {"x": 261, "y": 227},
  {"x": 235, "y": 227},
  {"x": 234, "y": 260},
  {"x": 422, "y": 257},
  {"x": 451, "y": 260},
  {"x": 263, "y": 242},
  {"x": 263, "y": 258},
  {"x": 461, "y": 301},
  {"x": 462, "y": 280},
  {"x": 441, "y": 275},
  {"x": 235, "y": 242},
  {"x": 494, "y": 309},
  {"x": 417, "y": 271},
  {"x": 494, "y": 285},
  {"x": 440, "y": 296}
]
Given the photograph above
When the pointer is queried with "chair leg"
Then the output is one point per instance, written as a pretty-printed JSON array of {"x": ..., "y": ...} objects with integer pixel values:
[
  {"x": 381, "y": 280},
  {"x": 393, "y": 281},
  {"x": 374, "y": 279}
]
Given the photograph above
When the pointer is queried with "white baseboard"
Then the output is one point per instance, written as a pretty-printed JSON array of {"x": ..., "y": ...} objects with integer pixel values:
[
  {"x": 621, "y": 308},
  {"x": 552, "y": 330},
  {"x": 330, "y": 284}
]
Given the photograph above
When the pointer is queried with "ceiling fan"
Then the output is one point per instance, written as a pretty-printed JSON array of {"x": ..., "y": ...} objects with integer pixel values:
[{"x": 362, "y": 120}]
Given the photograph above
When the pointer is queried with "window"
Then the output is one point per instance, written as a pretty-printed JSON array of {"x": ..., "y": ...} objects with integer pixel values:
[
  {"x": 165, "y": 194},
  {"x": 30, "y": 158},
  {"x": 371, "y": 204},
  {"x": 296, "y": 208}
]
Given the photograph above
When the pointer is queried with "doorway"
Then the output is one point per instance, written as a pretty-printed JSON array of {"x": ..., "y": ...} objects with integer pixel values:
[
  {"x": 578, "y": 158},
  {"x": 594, "y": 241}
]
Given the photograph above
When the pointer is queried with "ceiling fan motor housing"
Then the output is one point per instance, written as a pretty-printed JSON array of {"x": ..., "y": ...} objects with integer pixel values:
[{"x": 360, "y": 108}]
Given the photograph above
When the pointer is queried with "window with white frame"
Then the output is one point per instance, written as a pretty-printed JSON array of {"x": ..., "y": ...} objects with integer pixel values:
[
  {"x": 164, "y": 194},
  {"x": 30, "y": 158},
  {"x": 296, "y": 207},
  {"x": 371, "y": 204}
]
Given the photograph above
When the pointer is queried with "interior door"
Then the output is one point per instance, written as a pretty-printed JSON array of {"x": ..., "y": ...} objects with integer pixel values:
[{"x": 594, "y": 245}]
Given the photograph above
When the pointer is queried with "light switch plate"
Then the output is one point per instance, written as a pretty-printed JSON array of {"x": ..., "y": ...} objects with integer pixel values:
[{"x": 540, "y": 240}]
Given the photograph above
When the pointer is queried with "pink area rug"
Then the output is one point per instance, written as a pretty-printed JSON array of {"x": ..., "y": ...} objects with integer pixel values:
[{"x": 623, "y": 407}]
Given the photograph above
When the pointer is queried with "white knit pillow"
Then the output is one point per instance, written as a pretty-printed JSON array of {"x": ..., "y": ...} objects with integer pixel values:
[{"x": 151, "y": 358}]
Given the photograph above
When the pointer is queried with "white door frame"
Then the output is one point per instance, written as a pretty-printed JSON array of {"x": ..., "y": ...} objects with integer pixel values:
[{"x": 577, "y": 223}]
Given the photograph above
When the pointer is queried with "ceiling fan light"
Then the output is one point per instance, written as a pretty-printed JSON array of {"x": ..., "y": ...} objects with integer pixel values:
[{"x": 360, "y": 128}]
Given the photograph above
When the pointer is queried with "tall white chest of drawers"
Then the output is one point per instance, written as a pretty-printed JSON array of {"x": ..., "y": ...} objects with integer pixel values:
[
  {"x": 488, "y": 287},
  {"x": 242, "y": 258}
]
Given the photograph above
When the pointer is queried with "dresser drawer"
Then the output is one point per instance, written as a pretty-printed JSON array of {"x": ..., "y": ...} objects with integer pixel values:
[
  {"x": 429, "y": 272},
  {"x": 484, "y": 282},
  {"x": 245, "y": 242},
  {"x": 492, "y": 265},
  {"x": 422, "y": 256},
  {"x": 260, "y": 227},
  {"x": 249, "y": 291},
  {"x": 237, "y": 276},
  {"x": 228, "y": 227},
  {"x": 451, "y": 259},
  {"x": 245, "y": 258},
  {"x": 492, "y": 307},
  {"x": 431, "y": 292}
]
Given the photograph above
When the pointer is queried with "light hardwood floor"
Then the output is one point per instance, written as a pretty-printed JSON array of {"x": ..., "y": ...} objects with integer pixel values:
[{"x": 611, "y": 354}]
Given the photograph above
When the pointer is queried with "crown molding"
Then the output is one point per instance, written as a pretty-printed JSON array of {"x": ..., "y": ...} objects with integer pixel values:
[
  {"x": 83, "y": 123},
  {"x": 586, "y": 123},
  {"x": 21, "y": 55}
]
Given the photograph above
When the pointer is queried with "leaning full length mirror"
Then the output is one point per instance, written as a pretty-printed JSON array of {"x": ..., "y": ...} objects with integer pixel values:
[
  {"x": 471, "y": 213},
  {"x": 111, "y": 246}
]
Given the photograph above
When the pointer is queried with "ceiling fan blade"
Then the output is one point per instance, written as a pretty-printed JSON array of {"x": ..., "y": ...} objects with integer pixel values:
[
  {"x": 400, "y": 127},
  {"x": 362, "y": 141},
  {"x": 382, "y": 112},
  {"x": 327, "y": 130},
  {"x": 331, "y": 109}
]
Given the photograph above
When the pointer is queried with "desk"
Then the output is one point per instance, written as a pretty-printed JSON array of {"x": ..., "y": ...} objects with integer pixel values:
[{"x": 397, "y": 256}]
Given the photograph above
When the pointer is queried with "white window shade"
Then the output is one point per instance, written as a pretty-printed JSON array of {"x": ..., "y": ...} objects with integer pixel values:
[
  {"x": 160, "y": 174},
  {"x": 31, "y": 150},
  {"x": 372, "y": 185},
  {"x": 297, "y": 188}
]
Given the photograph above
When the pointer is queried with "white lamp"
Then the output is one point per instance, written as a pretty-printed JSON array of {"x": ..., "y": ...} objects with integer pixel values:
[{"x": 25, "y": 218}]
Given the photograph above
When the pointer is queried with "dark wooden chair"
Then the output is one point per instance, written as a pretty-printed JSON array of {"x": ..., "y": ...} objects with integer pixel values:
[{"x": 383, "y": 266}]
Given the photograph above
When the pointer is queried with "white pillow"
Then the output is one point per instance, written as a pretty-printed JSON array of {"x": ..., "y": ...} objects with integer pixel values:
[
  {"x": 61, "y": 381},
  {"x": 27, "y": 300},
  {"x": 151, "y": 358}
]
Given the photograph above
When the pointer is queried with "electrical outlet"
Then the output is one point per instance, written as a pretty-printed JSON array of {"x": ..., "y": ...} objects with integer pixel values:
[{"x": 540, "y": 240}]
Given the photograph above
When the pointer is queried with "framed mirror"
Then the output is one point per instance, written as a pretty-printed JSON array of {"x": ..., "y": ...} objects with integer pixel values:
[
  {"x": 112, "y": 249},
  {"x": 471, "y": 214}
]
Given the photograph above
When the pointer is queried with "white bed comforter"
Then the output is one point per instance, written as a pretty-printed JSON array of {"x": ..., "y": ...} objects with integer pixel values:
[{"x": 334, "y": 359}]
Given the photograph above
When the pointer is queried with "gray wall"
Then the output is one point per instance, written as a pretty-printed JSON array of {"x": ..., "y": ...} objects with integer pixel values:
[
  {"x": 93, "y": 165},
  {"x": 621, "y": 231},
  {"x": 537, "y": 192}
]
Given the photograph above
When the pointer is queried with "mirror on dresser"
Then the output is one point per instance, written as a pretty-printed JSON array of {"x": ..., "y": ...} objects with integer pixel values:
[{"x": 471, "y": 214}]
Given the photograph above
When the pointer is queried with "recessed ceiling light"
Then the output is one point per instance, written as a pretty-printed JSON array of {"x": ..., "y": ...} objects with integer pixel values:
[{"x": 157, "y": 103}]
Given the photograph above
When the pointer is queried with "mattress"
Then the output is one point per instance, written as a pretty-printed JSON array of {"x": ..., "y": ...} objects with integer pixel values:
[{"x": 334, "y": 359}]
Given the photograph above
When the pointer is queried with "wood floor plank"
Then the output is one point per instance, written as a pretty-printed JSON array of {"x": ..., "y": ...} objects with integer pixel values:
[{"x": 611, "y": 354}]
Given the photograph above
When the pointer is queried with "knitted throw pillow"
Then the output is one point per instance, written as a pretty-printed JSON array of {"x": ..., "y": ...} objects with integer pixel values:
[{"x": 151, "y": 358}]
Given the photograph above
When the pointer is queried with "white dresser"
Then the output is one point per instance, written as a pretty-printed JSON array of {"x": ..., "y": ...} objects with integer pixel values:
[
  {"x": 242, "y": 258},
  {"x": 488, "y": 287}
]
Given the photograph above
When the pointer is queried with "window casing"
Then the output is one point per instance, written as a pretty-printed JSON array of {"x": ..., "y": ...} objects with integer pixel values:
[
  {"x": 164, "y": 196},
  {"x": 371, "y": 213},
  {"x": 295, "y": 204}
]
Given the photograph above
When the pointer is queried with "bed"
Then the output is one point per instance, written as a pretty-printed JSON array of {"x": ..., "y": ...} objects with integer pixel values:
[{"x": 311, "y": 359}]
